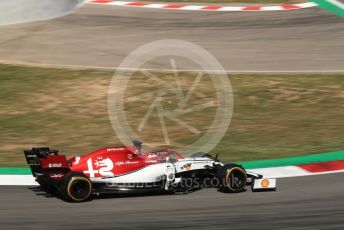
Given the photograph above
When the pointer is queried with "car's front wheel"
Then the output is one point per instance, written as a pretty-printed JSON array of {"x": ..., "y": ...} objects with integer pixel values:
[{"x": 232, "y": 178}]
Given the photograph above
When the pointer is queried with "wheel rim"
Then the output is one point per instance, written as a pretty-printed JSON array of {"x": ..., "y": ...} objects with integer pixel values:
[
  {"x": 236, "y": 179},
  {"x": 79, "y": 189}
]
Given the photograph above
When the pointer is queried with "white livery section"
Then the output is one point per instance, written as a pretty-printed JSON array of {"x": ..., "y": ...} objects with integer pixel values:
[
  {"x": 156, "y": 172},
  {"x": 149, "y": 174}
]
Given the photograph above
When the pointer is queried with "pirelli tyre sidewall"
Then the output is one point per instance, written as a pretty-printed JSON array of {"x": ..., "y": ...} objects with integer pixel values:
[
  {"x": 232, "y": 178},
  {"x": 76, "y": 187}
]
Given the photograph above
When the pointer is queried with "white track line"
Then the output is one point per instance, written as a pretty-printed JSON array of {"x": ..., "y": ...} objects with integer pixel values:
[{"x": 17, "y": 180}]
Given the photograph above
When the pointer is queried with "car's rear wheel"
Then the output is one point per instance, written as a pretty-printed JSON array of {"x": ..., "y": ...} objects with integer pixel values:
[
  {"x": 76, "y": 187},
  {"x": 232, "y": 178}
]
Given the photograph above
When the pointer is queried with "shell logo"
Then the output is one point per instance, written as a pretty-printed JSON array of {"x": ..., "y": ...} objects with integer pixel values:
[
  {"x": 265, "y": 183},
  {"x": 188, "y": 167}
]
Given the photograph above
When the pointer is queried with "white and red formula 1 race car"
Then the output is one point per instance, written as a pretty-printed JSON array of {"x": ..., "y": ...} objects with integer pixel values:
[{"x": 121, "y": 169}]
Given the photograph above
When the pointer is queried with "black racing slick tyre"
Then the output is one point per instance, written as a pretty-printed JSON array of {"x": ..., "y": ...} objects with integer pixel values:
[
  {"x": 232, "y": 178},
  {"x": 76, "y": 187}
]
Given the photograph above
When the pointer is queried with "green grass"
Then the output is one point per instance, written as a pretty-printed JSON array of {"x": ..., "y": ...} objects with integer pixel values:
[{"x": 274, "y": 115}]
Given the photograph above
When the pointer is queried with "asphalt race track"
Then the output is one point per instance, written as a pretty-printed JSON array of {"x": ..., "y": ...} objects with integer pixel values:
[
  {"x": 314, "y": 202},
  {"x": 101, "y": 36},
  {"x": 98, "y": 35}
]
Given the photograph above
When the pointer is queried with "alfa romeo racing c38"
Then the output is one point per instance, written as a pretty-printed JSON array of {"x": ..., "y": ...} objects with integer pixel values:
[{"x": 119, "y": 169}]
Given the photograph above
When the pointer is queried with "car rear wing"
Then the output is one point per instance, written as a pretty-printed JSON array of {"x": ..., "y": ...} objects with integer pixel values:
[{"x": 44, "y": 159}]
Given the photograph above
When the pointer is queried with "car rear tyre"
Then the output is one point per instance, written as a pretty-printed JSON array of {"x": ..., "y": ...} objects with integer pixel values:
[
  {"x": 232, "y": 178},
  {"x": 76, "y": 187}
]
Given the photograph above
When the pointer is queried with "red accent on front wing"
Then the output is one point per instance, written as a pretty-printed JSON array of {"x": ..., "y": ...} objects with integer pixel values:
[{"x": 323, "y": 166}]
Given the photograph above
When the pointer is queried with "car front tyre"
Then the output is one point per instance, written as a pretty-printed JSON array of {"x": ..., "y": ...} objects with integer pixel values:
[{"x": 232, "y": 178}]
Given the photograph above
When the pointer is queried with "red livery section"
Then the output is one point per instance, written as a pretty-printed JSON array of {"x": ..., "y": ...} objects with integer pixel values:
[
  {"x": 107, "y": 162},
  {"x": 54, "y": 162},
  {"x": 324, "y": 166},
  {"x": 117, "y": 160},
  {"x": 102, "y": 163}
]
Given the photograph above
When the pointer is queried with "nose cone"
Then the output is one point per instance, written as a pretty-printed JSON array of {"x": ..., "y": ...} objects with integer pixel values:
[{"x": 20, "y": 11}]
